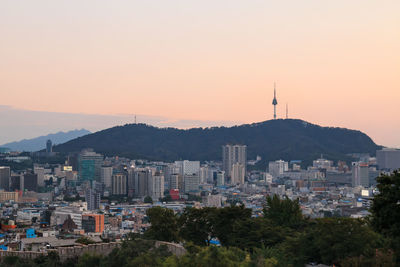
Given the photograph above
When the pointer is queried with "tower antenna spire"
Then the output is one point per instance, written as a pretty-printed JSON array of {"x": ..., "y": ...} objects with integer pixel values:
[
  {"x": 287, "y": 111},
  {"x": 274, "y": 101}
]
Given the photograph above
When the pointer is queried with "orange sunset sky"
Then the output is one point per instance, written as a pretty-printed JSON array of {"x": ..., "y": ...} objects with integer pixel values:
[{"x": 336, "y": 63}]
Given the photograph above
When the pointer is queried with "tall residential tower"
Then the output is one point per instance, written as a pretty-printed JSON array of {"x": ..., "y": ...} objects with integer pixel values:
[{"x": 232, "y": 154}]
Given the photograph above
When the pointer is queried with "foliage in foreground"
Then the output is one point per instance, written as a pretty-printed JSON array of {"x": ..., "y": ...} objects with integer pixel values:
[{"x": 385, "y": 210}]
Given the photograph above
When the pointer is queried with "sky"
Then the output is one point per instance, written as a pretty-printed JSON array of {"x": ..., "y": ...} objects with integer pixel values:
[
  {"x": 18, "y": 124},
  {"x": 336, "y": 63}
]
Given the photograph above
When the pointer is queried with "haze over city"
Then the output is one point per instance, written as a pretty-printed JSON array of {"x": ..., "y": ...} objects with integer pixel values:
[{"x": 207, "y": 63}]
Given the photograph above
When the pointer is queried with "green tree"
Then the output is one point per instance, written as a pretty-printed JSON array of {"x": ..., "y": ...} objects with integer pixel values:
[
  {"x": 15, "y": 261},
  {"x": 84, "y": 240},
  {"x": 89, "y": 260},
  {"x": 167, "y": 198},
  {"x": 193, "y": 198},
  {"x": 129, "y": 250},
  {"x": 385, "y": 210},
  {"x": 268, "y": 257},
  {"x": 52, "y": 259},
  {"x": 332, "y": 240},
  {"x": 164, "y": 226},
  {"x": 224, "y": 219},
  {"x": 154, "y": 257},
  {"x": 148, "y": 199},
  {"x": 256, "y": 233},
  {"x": 212, "y": 257},
  {"x": 284, "y": 212},
  {"x": 196, "y": 225}
]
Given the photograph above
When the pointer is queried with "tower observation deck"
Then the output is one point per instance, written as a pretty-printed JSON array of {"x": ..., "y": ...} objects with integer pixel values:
[{"x": 274, "y": 102}]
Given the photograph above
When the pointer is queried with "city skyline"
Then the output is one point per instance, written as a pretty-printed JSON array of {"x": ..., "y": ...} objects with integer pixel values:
[{"x": 201, "y": 61}]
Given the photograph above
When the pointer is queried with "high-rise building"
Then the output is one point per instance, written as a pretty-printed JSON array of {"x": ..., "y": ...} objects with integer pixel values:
[
  {"x": 171, "y": 175},
  {"x": 156, "y": 186},
  {"x": 49, "y": 146},
  {"x": 278, "y": 167},
  {"x": 93, "y": 223},
  {"x": 203, "y": 174},
  {"x": 168, "y": 170},
  {"x": 92, "y": 198},
  {"x": 119, "y": 184},
  {"x": 388, "y": 159},
  {"x": 106, "y": 173},
  {"x": 98, "y": 187},
  {"x": 188, "y": 167},
  {"x": 141, "y": 182},
  {"x": 17, "y": 183},
  {"x": 181, "y": 183},
  {"x": 30, "y": 182},
  {"x": 89, "y": 166},
  {"x": 73, "y": 161},
  {"x": 131, "y": 181},
  {"x": 220, "y": 178},
  {"x": 237, "y": 173},
  {"x": 212, "y": 175},
  {"x": 39, "y": 171},
  {"x": 5, "y": 176},
  {"x": 232, "y": 154},
  {"x": 373, "y": 174},
  {"x": 174, "y": 181},
  {"x": 191, "y": 182},
  {"x": 360, "y": 175}
]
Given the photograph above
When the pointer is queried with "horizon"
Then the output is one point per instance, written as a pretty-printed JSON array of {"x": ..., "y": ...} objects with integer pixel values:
[
  {"x": 115, "y": 120},
  {"x": 163, "y": 126}
]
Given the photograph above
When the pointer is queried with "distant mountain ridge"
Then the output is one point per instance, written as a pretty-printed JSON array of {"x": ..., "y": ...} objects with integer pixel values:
[
  {"x": 39, "y": 143},
  {"x": 275, "y": 139}
]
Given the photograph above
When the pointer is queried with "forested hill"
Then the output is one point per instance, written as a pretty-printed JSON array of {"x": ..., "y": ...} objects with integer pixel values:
[{"x": 275, "y": 139}]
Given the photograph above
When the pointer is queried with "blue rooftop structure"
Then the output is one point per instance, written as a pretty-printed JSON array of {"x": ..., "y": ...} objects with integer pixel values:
[
  {"x": 215, "y": 242},
  {"x": 30, "y": 233}
]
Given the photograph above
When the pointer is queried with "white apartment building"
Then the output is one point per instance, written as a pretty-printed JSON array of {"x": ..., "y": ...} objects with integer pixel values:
[{"x": 278, "y": 167}]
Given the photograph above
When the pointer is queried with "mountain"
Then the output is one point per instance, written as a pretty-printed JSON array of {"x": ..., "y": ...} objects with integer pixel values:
[
  {"x": 39, "y": 143},
  {"x": 275, "y": 139}
]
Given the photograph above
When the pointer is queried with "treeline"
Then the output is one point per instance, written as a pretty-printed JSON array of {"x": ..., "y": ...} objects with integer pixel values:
[
  {"x": 281, "y": 237},
  {"x": 275, "y": 139}
]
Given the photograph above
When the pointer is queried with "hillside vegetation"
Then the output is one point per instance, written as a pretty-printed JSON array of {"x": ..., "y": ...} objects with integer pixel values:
[{"x": 274, "y": 139}]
